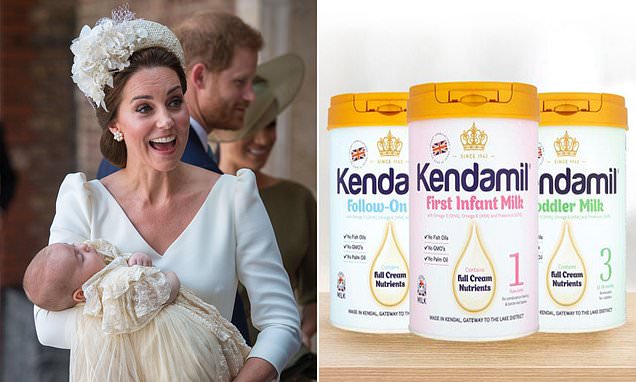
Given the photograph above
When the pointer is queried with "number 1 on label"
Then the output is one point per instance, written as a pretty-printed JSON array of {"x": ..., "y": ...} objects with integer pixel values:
[{"x": 517, "y": 282}]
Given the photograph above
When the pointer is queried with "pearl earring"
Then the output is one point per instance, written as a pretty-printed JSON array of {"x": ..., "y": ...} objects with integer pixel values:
[{"x": 118, "y": 136}]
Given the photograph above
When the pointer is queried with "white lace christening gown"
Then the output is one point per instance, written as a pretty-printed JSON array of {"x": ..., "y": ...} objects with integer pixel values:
[{"x": 126, "y": 333}]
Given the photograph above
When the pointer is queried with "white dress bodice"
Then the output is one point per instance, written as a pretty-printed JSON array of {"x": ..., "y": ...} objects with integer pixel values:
[{"x": 229, "y": 239}]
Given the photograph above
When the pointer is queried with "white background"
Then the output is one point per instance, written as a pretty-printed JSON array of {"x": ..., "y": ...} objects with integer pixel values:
[{"x": 558, "y": 46}]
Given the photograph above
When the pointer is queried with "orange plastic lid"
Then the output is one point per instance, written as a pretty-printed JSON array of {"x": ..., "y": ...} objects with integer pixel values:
[
  {"x": 583, "y": 109},
  {"x": 473, "y": 99},
  {"x": 367, "y": 109}
]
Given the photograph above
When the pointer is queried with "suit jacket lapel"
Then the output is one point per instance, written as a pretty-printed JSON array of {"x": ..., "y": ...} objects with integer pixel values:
[{"x": 196, "y": 155}]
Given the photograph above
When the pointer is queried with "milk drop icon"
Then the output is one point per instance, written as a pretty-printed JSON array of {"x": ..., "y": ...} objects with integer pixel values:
[
  {"x": 566, "y": 276},
  {"x": 388, "y": 277},
  {"x": 474, "y": 279}
]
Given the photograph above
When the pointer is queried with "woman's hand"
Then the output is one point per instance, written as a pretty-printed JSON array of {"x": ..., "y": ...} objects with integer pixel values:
[
  {"x": 256, "y": 370},
  {"x": 139, "y": 258}
]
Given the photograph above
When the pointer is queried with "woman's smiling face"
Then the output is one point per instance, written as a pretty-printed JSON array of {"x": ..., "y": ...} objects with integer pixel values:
[
  {"x": 251, "y": 152},
  {"x": 153, "y": 119}
]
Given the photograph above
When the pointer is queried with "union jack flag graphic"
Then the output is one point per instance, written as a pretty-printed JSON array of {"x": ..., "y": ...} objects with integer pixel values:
[
  {"x": 440, "y": 147},
  {"x": 358, "y": 154},
  {"x": 421, "y": 287}
]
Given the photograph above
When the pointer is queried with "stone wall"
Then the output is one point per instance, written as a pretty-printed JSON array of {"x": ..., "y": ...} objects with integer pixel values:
[
  {"x": 289, "y": 26},
  {"x": 37, "y": 108}
]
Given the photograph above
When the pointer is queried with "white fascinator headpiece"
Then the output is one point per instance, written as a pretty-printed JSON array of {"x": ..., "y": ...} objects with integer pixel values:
[{"x": 105, "y": 49}]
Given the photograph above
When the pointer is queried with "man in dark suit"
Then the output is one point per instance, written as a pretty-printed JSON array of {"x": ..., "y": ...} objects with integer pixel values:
[{"x": 220, "y": 52}]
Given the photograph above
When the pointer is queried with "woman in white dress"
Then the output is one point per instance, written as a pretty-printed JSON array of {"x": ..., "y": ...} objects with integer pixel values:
[{"x": 211, "y": 230}]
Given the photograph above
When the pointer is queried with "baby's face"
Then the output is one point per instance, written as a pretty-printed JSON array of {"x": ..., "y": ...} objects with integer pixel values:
[{"x": 79, "y": 261}]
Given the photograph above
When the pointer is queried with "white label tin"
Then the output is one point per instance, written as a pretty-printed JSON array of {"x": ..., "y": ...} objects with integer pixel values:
[
  {"x": 581, "y": 228},
  {"x": 473, "y": 225},
  {"x": 369, "y": 228}
]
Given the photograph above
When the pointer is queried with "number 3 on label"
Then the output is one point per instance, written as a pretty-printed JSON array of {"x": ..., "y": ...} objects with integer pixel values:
[{"x": 606, "y": 251}]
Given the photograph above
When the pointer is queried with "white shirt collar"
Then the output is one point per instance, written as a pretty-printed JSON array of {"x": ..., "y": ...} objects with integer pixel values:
[{"x": 203, "y": 136}]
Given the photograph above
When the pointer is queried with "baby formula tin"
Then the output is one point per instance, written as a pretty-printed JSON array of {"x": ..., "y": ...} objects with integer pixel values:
[
  {"x": 368, "y": 188},
  {"x": 581, "y": 212},
  {"x": 473, "y": 189}
]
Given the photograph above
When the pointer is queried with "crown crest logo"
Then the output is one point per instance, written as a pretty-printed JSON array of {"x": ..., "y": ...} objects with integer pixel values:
[
  {"x": 389, "y": 146},
  {"x": 473, "y": 138},
  {"x": 566, "y": 146}
]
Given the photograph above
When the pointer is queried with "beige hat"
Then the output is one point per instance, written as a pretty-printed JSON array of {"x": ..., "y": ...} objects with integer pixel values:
[{"x": 276, "y": 84}]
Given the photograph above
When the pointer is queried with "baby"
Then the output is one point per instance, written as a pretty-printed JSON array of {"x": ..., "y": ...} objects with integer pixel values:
[
  {"x": 132, "y": 312},
  {"x": 54, "y": 278}
]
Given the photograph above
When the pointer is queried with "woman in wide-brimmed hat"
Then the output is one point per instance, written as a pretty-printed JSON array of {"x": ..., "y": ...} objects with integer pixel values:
[{"x": 291, "y": 206}]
